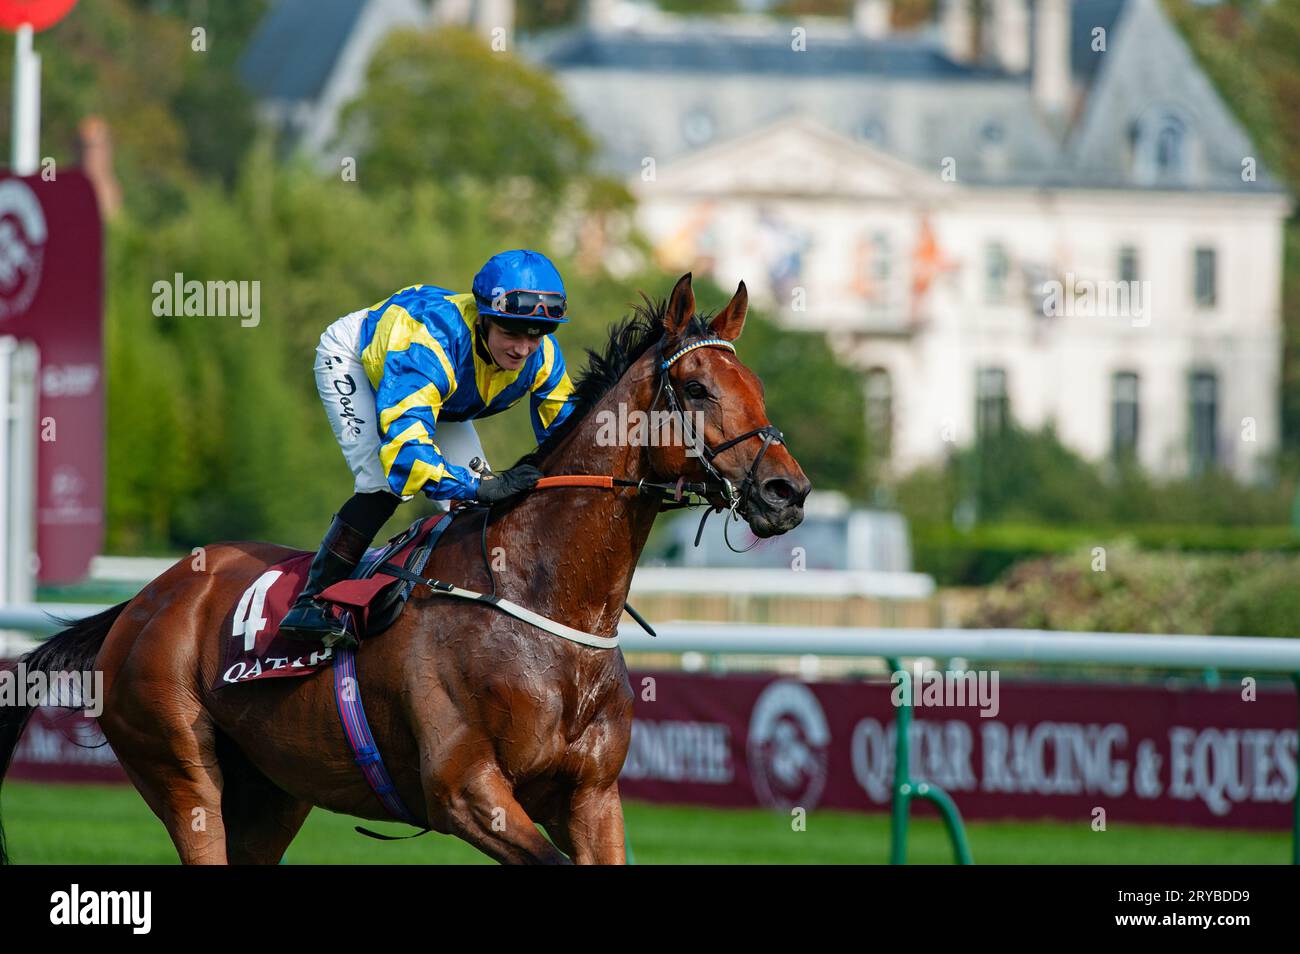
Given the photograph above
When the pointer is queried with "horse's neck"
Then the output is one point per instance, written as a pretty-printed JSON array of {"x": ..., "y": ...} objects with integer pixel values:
[{"x": 579, "y": 547}]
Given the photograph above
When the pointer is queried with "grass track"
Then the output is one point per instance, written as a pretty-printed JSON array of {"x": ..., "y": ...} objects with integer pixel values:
[{"x": 109, "y": 824}]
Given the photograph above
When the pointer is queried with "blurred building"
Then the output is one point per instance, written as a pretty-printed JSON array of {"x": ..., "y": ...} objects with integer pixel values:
[
  {"x": 916, "y": 196},
  {"x": 1046, "y": 213}
]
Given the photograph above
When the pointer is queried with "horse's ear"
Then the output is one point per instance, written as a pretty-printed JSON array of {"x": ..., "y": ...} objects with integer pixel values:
[
  {"x": 681, "y": 305},
  {"x": 728, "y": 323}
]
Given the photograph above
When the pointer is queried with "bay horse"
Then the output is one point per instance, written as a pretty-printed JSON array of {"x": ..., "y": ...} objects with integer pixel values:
[{"x": 486, "y": 723}]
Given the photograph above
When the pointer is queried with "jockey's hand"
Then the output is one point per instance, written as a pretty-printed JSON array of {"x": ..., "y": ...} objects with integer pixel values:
[{"x": 508, "y": 483}]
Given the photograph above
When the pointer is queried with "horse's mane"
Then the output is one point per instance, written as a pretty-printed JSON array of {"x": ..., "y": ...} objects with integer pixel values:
[{"x": 629, "y": 339}]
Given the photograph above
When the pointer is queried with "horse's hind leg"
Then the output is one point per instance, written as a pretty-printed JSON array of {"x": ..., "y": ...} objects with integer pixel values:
[
  {"x": 170, "y": 756},
  {"x": 261, "y": 818}
]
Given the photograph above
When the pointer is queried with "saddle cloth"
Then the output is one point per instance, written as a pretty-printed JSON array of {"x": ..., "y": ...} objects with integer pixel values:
[{"x": 367, "y": 604}]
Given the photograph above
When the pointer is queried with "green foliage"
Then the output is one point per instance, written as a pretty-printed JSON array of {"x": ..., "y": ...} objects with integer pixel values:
[
  {"x": 1034, "y": 497},
  {"x": 982, "y": 554},
  {"x": 442, "y": 105},
  {"x": 699, "y": 7},
  {"x": 1141, "y": 592},
  {"x": 1028, "y": 476},
  {"x": 539, "y": 15}
]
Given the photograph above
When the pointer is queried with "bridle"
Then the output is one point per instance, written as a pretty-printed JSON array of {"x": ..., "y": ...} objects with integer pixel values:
[
  {"x": 736, "y": 498},
  {"x": 733, "y": 496}
]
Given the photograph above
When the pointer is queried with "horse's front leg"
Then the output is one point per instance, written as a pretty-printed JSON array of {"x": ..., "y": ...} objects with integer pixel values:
[
  {"x": 593, "y": 826},
  {"x": 484, "y": 812}
]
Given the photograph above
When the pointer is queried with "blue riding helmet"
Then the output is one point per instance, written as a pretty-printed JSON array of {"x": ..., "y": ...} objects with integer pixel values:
[{"x": 521, "y": 286}]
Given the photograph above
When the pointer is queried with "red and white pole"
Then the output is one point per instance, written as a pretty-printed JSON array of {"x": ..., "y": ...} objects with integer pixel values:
[{"x": 25, "y": 18}]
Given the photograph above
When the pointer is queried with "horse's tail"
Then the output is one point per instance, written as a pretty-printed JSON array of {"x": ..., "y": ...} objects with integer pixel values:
[{"x": 72, "y": 650}]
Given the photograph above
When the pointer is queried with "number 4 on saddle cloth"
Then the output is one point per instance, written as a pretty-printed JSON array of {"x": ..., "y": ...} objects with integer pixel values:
[{"x": 368, "y": 603}]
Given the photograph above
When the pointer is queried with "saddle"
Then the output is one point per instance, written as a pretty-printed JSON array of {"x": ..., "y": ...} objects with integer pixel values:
[{"x": 367, "y": 603}]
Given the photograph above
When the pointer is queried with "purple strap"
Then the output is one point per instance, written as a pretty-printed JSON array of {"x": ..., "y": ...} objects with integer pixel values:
[{"x": 364, "y": 750}]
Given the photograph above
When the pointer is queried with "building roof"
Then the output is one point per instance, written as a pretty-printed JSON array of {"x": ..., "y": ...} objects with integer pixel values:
[
  {"x": 296, "y": 46},
  {"x": 1084, "y": 18},
  {"x": 698, "y": 51},
  {"x": 667, "y": 91}
]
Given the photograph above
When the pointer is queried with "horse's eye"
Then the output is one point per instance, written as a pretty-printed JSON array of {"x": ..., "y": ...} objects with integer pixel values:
[{"x": 696, "y": 390}]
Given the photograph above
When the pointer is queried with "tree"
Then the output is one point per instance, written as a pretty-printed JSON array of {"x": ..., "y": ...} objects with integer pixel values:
[{"x": 442, "y": 106}]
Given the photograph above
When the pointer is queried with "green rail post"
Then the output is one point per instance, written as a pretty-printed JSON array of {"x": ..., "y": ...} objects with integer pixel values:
[{"x": 905, "y": 789}]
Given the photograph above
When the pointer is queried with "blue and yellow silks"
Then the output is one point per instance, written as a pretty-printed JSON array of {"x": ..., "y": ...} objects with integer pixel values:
[{"x": 419, "y": 351}]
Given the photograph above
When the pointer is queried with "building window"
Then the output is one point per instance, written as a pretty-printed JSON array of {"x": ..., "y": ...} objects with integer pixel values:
[
  {"x": 1161, "y": 147},
  {"x": 1123, "y": 416},
  {"x": 880, "y": 413},
  {"x": 1205, "y": 289},
  {"x": 991, "y": 405},
  {"x": 1204, "y": 400},
  {"x": 997, "y": 271},
  {"x": 1128, "y": 263}
]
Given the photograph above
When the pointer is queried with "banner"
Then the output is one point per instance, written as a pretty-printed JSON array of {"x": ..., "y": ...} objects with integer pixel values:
[
  {"x": 1051, "y": 750},
  {"x": 51, "y": 293}
]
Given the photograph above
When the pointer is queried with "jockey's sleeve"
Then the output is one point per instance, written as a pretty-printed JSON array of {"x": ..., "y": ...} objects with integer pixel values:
[
  {"x": 415, "y": 378},
  {"x": 552, "y": 391}
]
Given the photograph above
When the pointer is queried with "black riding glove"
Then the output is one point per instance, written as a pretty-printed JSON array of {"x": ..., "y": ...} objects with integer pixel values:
[{"x": 508, "y": 483}]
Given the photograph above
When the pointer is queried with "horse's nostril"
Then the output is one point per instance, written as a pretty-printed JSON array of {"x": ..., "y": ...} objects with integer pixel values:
[{"x": 782, "y": 490}]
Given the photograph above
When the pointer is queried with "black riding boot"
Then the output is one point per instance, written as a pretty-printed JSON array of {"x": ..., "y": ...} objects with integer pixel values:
[
  {"x": 354, "y": 526},
  {"x": 339, "y": 554}
]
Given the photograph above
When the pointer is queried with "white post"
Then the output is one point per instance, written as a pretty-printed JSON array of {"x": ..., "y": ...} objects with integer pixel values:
[
  {"x": 18, "y": 366},
  {"x": 7, "y": 348},
  {"x": 26, "y": 126},
  {"x": 22, "y": 480}
]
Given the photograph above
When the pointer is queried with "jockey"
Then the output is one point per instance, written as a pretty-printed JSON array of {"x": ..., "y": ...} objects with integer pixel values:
[{"x": 428, "y": 359}]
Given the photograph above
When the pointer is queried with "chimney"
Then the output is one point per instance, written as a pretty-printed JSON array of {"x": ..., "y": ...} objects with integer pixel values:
[
  {"x": 958, "y": 28},
  {"x": 871, "y": 18},
  {"x": 1006, "y": 34},
  {"x": 97, "y": 164},
  {"x": 1051, "y": 79},
  {"x": 494, "y": 14}
]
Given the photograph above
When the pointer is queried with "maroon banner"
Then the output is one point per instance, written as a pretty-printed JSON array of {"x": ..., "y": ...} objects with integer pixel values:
[
  {"x": 1141, "y": 753},
  {"x": 1053, "y": 750},
  {"x": 51, "y": 293}
]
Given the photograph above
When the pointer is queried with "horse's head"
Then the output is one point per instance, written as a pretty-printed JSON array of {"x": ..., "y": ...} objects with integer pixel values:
[{"x": 736, "y": 443}]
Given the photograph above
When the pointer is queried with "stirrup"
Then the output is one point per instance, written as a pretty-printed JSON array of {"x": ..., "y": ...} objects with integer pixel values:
[{"x": 329, "y": 635}]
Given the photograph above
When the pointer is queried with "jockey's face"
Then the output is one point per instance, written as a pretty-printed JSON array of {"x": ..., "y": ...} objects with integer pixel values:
[{"x": 510, "y": 350}]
